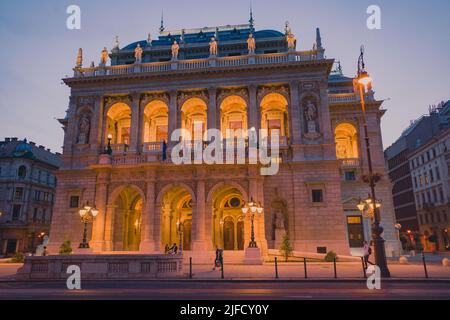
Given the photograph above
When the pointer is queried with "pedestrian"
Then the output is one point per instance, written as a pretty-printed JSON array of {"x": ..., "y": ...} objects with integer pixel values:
[
  {"x": 166, "y": 249},
  {"x": 367, "y": 251},
  {"x": 45, "y": 252},
  {"x": 174, "y": 248},
  {"x": 164, "y": 151},
  {"x": 218, "y": 260}
]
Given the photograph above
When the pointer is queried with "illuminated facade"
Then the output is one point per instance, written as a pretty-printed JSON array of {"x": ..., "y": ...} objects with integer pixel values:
[{"x": 217, "y": 78}]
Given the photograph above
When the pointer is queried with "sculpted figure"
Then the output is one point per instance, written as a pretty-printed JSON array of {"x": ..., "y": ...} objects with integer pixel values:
[
  {"x": 175, "y": 50},
  {"x": 213, "y": 47},
  {"x": 104, "y": 56},
  {"x": 251, "y": 44},
  {"x": 83, "y": 129},
  {"x": 292, "y": 42},
  {"x": 311, "y": 116},
  {"x": 138, "y": 53}
]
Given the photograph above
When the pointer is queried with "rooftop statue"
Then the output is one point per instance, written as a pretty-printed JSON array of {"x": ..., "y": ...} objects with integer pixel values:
[
  {"x": 79, "y": 58},
  {"x": 138, "y": 54},
  {"x": 213, "y": 47},
  {"x": 251, "y": 44},
  {"x": 104, "y": 57},
  {"x": 292, "y": 42},
  {"x": 175, "y": 50}
]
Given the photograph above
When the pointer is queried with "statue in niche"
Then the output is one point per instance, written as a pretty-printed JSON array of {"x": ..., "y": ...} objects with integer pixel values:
[
  {"x": 104, "y": 57},
  {"x": 278, "y": 221},
  {"x": 292, "y": 42},
  {"x": 84, "y": 127},
  {"x": 213, "y": 47},
  {"x": 175, "y": 50},
  {"x": 138, "y": 54},
  {"x": 251, "y": 43},
  {"x": 311, "y": 117}
]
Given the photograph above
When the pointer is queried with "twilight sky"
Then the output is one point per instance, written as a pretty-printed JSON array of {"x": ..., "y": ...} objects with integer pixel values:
[{"x": 408, "y": 58}]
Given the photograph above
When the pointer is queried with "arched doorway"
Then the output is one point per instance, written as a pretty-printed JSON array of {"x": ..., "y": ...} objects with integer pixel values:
[
  {"x": 176, "y": 218},
  {"x": 127, "y": 220},
  {"x": 194, "y": 119},
  {"x": 228, "y": 220},
  {"x": 274, "y": 114},
  {"x": 346, "y": 138},
  {"x": 118, "y": 121},
  {"x": 233, "y": 117},
  {"x": 156, "y": 121}
]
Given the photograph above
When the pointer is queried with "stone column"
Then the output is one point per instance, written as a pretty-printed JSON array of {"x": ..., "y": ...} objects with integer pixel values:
[
  {"x": 95, "y": 136},
  {"x": 135, "y": 122},
  {"x": 157, "y": 226},
  {"x": 212, "y": 109},
  {"x": 98, "y": 231},
  {"x": 148, "y": 241},
  {"x": 173, "y": 115},
  {"x": 325, "y": 122},
  {"x": 198, "y": 221},
  {"x": 253, "y": 108},
  {"x": 295, "y": 114},
  {"x": 109, "y": 227}
]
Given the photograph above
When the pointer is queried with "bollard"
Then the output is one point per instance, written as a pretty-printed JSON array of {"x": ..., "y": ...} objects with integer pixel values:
[
  {"x": 190, "y": 268},
  {"x": 363, "y": 267},
  {"x": 335, "y": 271},
  {"x": 221, "y": 270},
  {"x": 304, "y": 264},
  {"x": 424, "y": 265},
  {"x": 276, "y": 267}
]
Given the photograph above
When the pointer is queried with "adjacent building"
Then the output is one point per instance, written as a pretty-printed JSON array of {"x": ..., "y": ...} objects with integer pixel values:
[
  {"x": 238, "y": 80},
  {"x": 27, "y": 192},
  {"x": 419, "y": 174}
]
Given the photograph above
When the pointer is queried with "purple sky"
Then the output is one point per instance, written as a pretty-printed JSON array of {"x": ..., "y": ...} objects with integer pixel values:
[{"x": 408, "y": 58}]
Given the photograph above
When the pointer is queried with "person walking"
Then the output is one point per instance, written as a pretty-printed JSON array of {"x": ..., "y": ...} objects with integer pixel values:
[
  {"x": 367, "y": 251},
  {"x": 218, "y": 261}
]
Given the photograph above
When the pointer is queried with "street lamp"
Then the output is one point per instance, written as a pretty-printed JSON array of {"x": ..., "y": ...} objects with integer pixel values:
[
  {"x": 364, "y": 82},
  {"x": 109, "y": 150},
  {"x": 87, "y": 214},
  {"x": 252, "y": 208}
]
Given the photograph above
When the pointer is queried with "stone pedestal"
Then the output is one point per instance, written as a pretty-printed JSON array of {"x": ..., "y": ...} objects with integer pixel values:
[
  {"x": 279, "y": 235},
  {"x": 253, "y": 256}
]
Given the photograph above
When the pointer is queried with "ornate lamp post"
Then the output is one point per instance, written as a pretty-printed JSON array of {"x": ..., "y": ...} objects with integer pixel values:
[
  {"x": 252, "y": 208},
  {"x": 364, "y": 81},
  {"x": 87, "y": 214},
  {"x": 109, "y": 150}
]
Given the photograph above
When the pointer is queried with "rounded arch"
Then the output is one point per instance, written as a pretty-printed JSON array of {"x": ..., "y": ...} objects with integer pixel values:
[
  {"x": 118, "y": 190},
  {"x": 194, "y": 117},
  {"x": 221, "y": 185},
  {"x": 233, "y": 117},
  {"x": 346, "y": 139},
  {"x": 156, "y": 121},
  {"x": 118, "y": 126},
  {"x": 274, "y": 113},
  {"x": 170, "y": 186}
]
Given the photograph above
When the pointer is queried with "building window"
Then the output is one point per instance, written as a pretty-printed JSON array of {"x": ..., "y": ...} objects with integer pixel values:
[
  {"x": 350, "y": 176},
  {"x": 18, "y": 194},
  {"x": 16, "y": 212},
  {"x": 317, "y": 196},
  {"x": 74, "y": 202},
  {"x": 22, "y": 172}
]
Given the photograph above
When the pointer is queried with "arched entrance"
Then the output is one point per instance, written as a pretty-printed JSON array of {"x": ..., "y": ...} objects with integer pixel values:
[
  {"x": 127, "y": 220},
  {"x": 176, "y": 218},
  {"x": 228, "y": 219}
]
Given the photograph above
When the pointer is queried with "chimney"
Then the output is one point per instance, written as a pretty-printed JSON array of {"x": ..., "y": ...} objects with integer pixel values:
[
  {"x": 32, "y": 143},
  {"x": 42, "y": 147},
  {"x": 48, "y": 150},
  {"x": 14, "y": 139},
  {"x": 7, "y": 139}
]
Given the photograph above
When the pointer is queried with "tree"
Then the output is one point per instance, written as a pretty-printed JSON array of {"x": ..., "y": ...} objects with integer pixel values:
[
  {"x": 65, "y": 248},
  {"x": 286, "y": 249}
]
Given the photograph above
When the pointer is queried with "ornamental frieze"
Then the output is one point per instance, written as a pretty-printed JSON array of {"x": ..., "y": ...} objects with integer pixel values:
[
  {"x": 146, "y": 98},
  {"x": 109, "y": 101},
  {"x": 86, "y": 101},
  {"x": 265, "y": 90},
  {"x": 184, "y": 96},
  {"x": 224, "y": 93}
]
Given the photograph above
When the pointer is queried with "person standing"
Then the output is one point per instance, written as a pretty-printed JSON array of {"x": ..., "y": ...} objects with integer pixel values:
[
  {"x": 218, "y": 261},
  {"x": 367, "y": 251}
]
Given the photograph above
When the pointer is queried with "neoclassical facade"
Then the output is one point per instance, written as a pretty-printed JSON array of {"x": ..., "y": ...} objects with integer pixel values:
[{"x": 234, "y": 79}]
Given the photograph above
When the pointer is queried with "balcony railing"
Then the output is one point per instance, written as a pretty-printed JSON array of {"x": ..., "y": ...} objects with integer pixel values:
[
  {"x": 152, "y": 147},
  {"x": 197, "y": 64},
  {"x": 119, "y": 148},
  {"x": 348, "y": 97},
  {"x": 349, "y": 163}
]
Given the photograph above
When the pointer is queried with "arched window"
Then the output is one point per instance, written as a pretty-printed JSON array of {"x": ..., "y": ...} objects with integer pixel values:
[
  {"x": 346, "y": 141},
  {"x": 22, "y": 172}
]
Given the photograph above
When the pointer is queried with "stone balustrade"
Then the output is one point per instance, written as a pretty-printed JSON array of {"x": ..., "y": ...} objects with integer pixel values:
[
  {"x": 102, "y": 267},
  {"x": 195, "y": 64},
  {"x": 350, "y": 163},
  {"x": 349, "y": 97}
]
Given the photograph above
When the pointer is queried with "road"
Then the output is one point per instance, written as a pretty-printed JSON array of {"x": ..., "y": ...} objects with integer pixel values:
[{"x": 226, "y": 290}]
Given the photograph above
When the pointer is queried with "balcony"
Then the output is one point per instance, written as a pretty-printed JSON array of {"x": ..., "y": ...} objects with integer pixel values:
[
  {"x": 199, "y": 64},
  {"x": 349, "y": 163},
  {"x": 339, "y": 98},
  {"x": 119, "y": 148}
]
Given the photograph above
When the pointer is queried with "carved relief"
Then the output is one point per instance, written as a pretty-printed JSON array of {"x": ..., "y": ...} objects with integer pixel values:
[
  {"x": 265, "y": 90},
  {"x": 311, "y": 118},
  {"x": 84, "y": 128},
  {"x": 184, "y": 96},
  {"x": 109, "y": 101},
  {"x": 146, "y": 98},
  {"x": 224, "y": 93}
]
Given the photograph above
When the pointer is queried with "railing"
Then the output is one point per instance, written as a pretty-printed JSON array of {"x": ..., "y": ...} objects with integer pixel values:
[
  {"x": 212, "y": 62},
  {"x": 119, "y": 148},
  {"x": 349, "y": 163},
  {"x": 348, "y": 97},
  {"x": 152, "y": 147}
]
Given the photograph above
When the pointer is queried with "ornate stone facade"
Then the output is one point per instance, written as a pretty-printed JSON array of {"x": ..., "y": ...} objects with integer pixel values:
[{"x": 146, "y": 202}]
